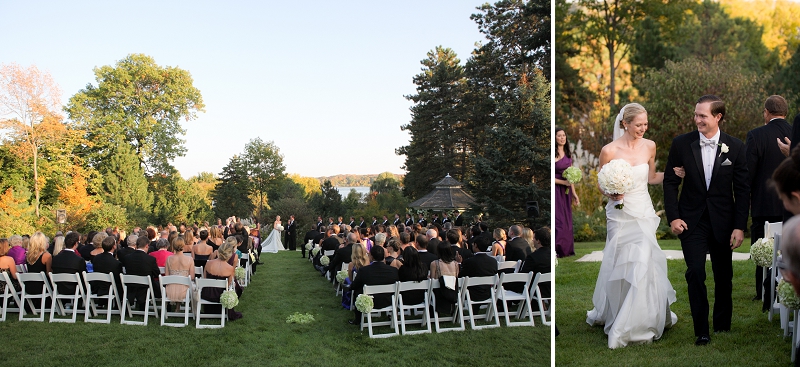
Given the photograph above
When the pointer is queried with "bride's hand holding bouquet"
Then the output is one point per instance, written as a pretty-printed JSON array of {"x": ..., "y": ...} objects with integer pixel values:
[{"x": 615, "y": 179}]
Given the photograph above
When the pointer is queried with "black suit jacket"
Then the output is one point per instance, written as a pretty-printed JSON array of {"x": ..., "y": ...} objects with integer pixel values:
[
  {"x": 459, "y": 221},
  {"x": 376, "y": 273},
  {"x": 409, "y": 222},
  {"x": 125, "y": 251},
  {"x": 310, "y": 235},
  {"x": 107, "y": 264},
  {"x": 727, "y": 196},
  {"x": 763, "y": 157},
  {"x": 362, "y": 225},
  {"x": 423, "y": 223},
  {"x": 291, "y": 234},
  {"x": 480, "y": 265},
  {"x": 795, "y": 131},
  {"x": 537, "y": 262},
  {"x": 427, "y": 257},
  {"x": 319, "y": 226},
  {"x": 396, "y": 222},
  {"x": 517, "y": 249},
  {"x": 352, "y": 223},
  {"x": 67, "y": 262},
  {"x": 140, "y": 263},
  {"x": 342, "y": 255}
]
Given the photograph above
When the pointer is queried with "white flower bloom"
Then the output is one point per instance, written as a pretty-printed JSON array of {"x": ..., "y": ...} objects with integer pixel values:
[{"x": 724, "y": 148}]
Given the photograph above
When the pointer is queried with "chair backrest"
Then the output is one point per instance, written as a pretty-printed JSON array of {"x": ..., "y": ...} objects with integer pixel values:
[
  {"x": 162, "y": 269},
  {"x": 500, "y": 258},
  {"x": 65, "y": 278},
  {"x": 329, "y": 252},
  {"x": 382, "y": 288},
  {"x": 776, "y": 247},
  {"x": 539, "y": 279},
  {"x": 22, "y": 268},
  {"x": 128, "y": 279},
  {"x": 98, "y": 277},
  {"x": 516, "y": 278},
  {"x": 771, "y": 229},
  {"x": 345, "y": 266},
  {"x": 413, "y": 286},
  {"x": 506, "y": 265},
  {"x": 32, "y": 277},
  {"x": 210, "y": 283},
  {"x": 174, "y": 279},
  {"x": 474, "y": 281},
  {"x": 198, "y": 271}
]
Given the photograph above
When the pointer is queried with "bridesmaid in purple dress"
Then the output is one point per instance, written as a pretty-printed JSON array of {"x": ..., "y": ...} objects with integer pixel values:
[{"x": 565, "y": 245}]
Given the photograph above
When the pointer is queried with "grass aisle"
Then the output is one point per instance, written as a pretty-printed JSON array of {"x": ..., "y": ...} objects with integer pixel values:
[
  {"x": 284, "y": 285},
  {"x": 753, "y": 340}
]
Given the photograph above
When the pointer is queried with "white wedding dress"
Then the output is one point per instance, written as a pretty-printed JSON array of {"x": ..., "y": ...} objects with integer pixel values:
[
  {"x": 633, "y": 294},
  {"x": 273, "y": 242}
]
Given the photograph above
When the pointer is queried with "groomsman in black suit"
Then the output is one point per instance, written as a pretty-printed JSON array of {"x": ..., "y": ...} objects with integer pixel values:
[
  {"x": 436, "y": 219},
  {"x": 340, "y": 221},
  {"x": 362, "y": 223},
  {"x": 68, "y": 261},
  {"x": 319, "y": 224},
  {"x": 291, "y": 233},
  {"x": 352, "y": 222},
  {"x": 715, "y": 186},
  {"x": 377, "y": 273},
  {"x": 330, "y": 221},
  {"x": 374, "y": 221},
  {"x": 310, "y": 236},
  {"x": 763, "y": 156},
  {"x": 385, "y": 221},
  {"x": 445, "y": 219},
  {"x": 422, "y": 221},
  {"x": 459, "y": 221},
  {"x": 396, "y": 219},
  {"x": 409, "y": 220}
]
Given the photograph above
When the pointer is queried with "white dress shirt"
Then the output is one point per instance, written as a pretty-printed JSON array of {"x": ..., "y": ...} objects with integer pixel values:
[{"x": 708, "y": 148}]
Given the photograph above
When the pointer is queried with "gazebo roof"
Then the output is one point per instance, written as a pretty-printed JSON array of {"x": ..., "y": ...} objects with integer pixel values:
[{"x": 447, "y": 195}]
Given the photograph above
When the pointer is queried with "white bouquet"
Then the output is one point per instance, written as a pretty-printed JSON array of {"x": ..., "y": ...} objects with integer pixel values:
[
  {"x": 229, "y": 299},
  {"x": 300, "y": 318},
  {"x": 239, "y": 273},
  {"x": 787, "y": 296},
  {"x": 761, "y": 252},
  {"x": 341, "y": 275},
  {"x": 616, "y": 178},
  {"x": 279, "y": 227},
  {"x": 324, "y": 260},
  {"x": 315, "y": 251},
  {"x": 310, "y": 245},
  {"x": 364, "y": 303}
]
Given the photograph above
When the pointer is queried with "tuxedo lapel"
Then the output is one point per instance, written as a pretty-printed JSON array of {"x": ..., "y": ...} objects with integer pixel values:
[{"x": 698, "y": 160}]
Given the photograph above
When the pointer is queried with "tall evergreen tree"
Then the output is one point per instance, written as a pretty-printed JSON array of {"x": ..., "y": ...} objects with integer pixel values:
[
  {"x": 124, "y": 182},
  {"x": 231, "y": 195}
]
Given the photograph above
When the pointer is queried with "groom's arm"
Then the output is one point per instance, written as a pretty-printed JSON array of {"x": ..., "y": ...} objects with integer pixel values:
[{"x": 671, "y": 183}]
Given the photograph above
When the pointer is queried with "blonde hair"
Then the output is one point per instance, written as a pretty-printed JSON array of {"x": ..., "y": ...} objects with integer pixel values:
[
  {"x": 527, "y": 234},
  {"x": 629, "y": 112},
  {"x": 359, "y": 256},
  {"x": 499, "y": 234},
  {"x": 59, "y": 245},
  {"x": 226, "y": 249},
  {"x": 188, "y": 236},
  {"x": 176, "y": 246},
  {"x": 36, "y": 247}
]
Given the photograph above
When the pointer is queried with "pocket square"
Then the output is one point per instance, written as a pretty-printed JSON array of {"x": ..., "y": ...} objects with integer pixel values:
[{"x": 727, "y": 162}]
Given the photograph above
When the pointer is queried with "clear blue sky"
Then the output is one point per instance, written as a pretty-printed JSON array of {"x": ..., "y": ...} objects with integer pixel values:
[{"x": 324, "y": 80}]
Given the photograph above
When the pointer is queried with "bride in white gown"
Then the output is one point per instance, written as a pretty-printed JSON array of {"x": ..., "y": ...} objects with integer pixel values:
[
  {"x": 633, "y": 294},
  {"x": 273, "y": 241}
]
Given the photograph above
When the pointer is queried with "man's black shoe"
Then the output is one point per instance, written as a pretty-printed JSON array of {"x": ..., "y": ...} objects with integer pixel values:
[{"x": 702, "y": 340}]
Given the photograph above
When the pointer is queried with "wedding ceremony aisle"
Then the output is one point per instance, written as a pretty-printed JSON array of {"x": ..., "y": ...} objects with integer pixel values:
[
  {"x": 285, "y": 284},
  {"x": 752, "y": 341}
]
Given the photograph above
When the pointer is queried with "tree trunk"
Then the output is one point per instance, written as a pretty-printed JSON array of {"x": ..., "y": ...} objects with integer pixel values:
[{"x": 36, "y": 177}]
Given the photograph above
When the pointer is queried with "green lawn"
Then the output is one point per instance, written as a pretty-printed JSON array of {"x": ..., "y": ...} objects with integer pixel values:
[
  {"x": 753, "y": 340},
  {"x": 286, "y": 284}
]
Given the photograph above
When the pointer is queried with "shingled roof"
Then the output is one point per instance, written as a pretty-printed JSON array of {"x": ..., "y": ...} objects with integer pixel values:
[{"x": 447, "y": 195}]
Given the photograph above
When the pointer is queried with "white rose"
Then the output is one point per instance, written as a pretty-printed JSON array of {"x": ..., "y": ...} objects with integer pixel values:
[{"x": 724, "y": 148}]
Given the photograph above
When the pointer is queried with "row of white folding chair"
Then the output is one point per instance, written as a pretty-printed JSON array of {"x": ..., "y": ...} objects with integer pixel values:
[
  {"x": 770, "y": 230},
  {"x": 509, "y": 265},
  {"x": 10, "y": 296},
  {"x": 339, "y": 290}
]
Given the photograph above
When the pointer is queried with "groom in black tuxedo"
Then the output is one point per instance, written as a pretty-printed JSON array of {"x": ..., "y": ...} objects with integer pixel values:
[
  {"x": 291, "y": 234},
  {"x": 715, "y": 186}
]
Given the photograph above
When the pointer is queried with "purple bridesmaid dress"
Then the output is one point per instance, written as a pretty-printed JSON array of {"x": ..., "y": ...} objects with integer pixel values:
[{"x": 565, "y": 244}]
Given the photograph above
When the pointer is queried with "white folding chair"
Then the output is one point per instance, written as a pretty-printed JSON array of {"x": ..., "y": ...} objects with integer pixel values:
[
  {"x": 248, "y": 270},
  {"x": 506, "y": 265},
  {"x": 457, "y": 318},
  {"x": 47, "y": 292},
  {"x": 165, "y": 280},
  {"x": 149, "y": 300},
  {"x": 75, "y": 298},
  {"x": 198, "y": 272},
  {"x": 209, "y": 283},
  {"x": 770, "y": 230},
  {"x": 22, "y": 268},
  {"x": 489, "y": 303},
  {"x": 162, "y": 269},
  {"x": 546, "y": 304},
  {"x": 91, "y": 295},
  {"x": 777, "y": 307},
  {"x": 523, "y": 298},
  {"x": 391, "y": 310},
  {"x": 339, "y": 291},
  {"x": 423, "y": 286},
  {"x": 10, "y": 294}
]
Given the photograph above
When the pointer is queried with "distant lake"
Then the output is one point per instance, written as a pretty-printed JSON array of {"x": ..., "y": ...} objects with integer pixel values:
[{"x": 344, "y": 190}]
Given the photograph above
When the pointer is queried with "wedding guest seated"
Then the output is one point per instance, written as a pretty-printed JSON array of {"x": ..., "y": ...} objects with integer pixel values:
[
  {"x": 68, "y": 261},
  {"x": 405, "y": 240},
  {"x": 412, "y": 270},
  {"x": 446, "y": 265},
  {"x": 162, "y": 252},
  {"x": 517, "y": 248},
  {"x": 455, "y": 242},
  {"x": 106, "y": 263},
  {"x": 422, "y": 246},
  {"x": 16, "y": 251},
  {"x": 189, "y": 240},
  {"x": 480, "y": 265},
  {"x": 37, "y": 259},
  {"x": 358, "y": 260},
  {"x": 130, "y": 246},
  {"x": 142, "y": 264},
  {"x": 379, "y": 239},
  {"x": 215, "y": 235},
  {"x": 310, "y": 235},
  {"x": 790, "y": 241},
  {"x": 221, "y": 267},
  {"x": 499, "y": 244},
  {"x": 393, "y": 256},
  {"x": 366, "y": 241},
  {"x": 97, "y": 245},
  {"x": 433, "y": 240},
  {"x": 58, "y": 244},
  {"x": 527, "y": 234},
  {"x": 538, "y": 261},
  {"x": 202, "y": 250},
  {"x": 8, "y": 266},
  {"x": 151, "y": 237},
  {"x": 377, "y": 273},
  {"x": 342, "y": 255},
  {"x": 178, "y": 264}
]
